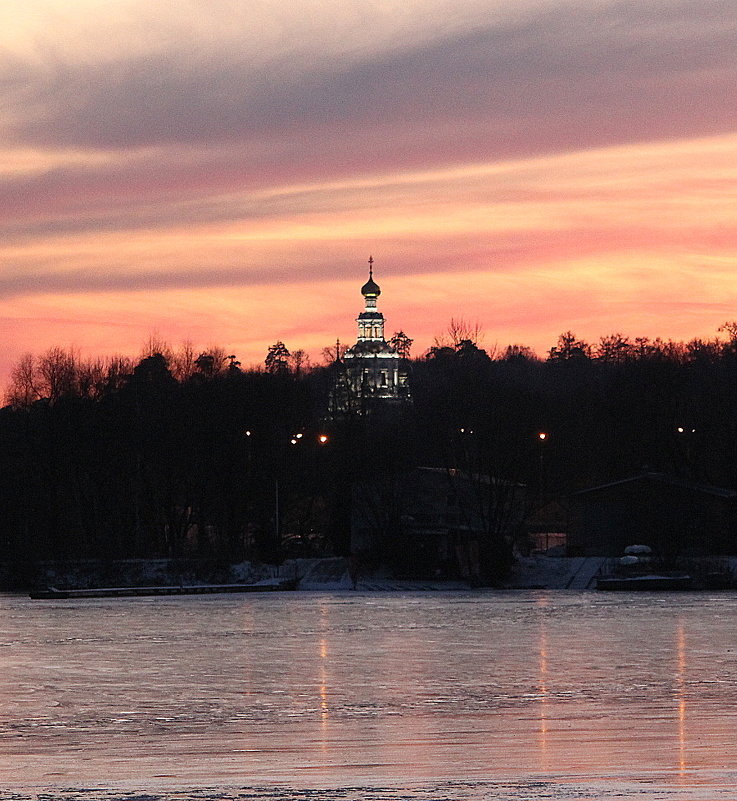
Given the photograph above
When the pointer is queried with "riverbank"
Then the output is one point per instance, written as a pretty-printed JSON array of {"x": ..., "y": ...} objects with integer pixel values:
[
  {"x": 319, "y": 574},
  {"x": 332, "y": 574}
]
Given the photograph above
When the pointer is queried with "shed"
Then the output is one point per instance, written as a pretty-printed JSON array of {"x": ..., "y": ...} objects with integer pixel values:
[{"x": 675, "y": 516}]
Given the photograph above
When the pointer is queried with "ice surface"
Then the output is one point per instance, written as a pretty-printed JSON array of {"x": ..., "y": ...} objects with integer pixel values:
[{"x": 370, "y": 696}]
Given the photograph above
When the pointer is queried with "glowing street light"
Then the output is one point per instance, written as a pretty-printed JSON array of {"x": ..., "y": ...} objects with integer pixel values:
[
  {"x": 686, "y": 440},
  {"x": 322, "y": 439},
  {"x": 542, "y": 436}
]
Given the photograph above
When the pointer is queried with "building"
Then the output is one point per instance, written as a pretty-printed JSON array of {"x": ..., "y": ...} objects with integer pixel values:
[
  {"x": 372, "y": 369},
  {"x": 675, "y": 517},
  {"x": 433, "y": 522},
  {"x": 546, "y": 529}
]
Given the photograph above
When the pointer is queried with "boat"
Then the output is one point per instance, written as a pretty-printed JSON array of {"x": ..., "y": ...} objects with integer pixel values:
[
  {"x": 646, "y": 583},
  {"x": 635, "y": 571}
]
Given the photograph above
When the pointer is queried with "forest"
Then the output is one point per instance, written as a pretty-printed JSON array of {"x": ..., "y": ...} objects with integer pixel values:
[{"x": 176, "y": 454}]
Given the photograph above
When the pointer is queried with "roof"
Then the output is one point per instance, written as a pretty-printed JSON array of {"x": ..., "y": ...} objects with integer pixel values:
[
  {"x": 665, "y": 479},
  {"x": 370, "y": 288},
  {"x": 552, "y": 513},
  {"x": 369, "y": 347},
  {"x": 480, "y": 478}
]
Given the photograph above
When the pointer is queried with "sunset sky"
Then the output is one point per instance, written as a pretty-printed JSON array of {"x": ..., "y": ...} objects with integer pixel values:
[{"x": 220, "y": 171}]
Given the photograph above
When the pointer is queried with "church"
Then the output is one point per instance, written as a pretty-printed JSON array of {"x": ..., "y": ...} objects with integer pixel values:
[{"x": 372, "y": 369}]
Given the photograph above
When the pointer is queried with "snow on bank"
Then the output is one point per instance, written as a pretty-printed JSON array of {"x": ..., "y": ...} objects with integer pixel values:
[
  {"x": 326, "y": 575},
  {"x": 555, "y": 572}
]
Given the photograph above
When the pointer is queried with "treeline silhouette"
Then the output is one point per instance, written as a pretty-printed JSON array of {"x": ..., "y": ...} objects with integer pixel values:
[{"x": 181, "y": 455}]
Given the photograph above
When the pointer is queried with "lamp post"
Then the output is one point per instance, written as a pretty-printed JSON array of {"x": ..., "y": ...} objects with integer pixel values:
[
  {"x": 295, "y": 440},
  {"x": 686, "y": 436},
  {"x": 243, "y": 510},
  {"x": 541, "y": 437}
]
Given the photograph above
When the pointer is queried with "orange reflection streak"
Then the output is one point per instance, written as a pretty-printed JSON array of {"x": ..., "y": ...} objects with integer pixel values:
[
  {"x": 248, "y": 679},
  {"x": 681, "y": 696},
  {"x": 543, "y": 689},
  {"x": 543, "y": 698},
  {"x": 324, "y": 656},
  {"x": 323, "y": 678}
]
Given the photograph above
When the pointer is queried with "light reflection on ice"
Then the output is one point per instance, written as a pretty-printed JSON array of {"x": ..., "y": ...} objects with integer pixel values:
[{"x": 475, "y": 696}]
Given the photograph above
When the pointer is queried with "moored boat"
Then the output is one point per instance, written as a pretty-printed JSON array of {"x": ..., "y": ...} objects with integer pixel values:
[{"x": 646, "y": 582}]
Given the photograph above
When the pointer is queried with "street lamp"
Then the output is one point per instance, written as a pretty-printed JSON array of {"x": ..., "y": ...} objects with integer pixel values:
[
  {"x": 688, "y": 441},
  {"x": 541, "y": 437}
]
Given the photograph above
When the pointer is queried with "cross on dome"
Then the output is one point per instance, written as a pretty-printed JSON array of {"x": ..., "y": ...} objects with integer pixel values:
[{"x": 371, "y": 289}]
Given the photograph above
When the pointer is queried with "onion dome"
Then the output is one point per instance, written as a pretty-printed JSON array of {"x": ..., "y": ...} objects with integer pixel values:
[{"x": 371, "y": 289}]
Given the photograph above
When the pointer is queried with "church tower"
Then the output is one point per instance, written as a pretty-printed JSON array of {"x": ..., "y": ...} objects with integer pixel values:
[
  {"x": 374, "y": 369},
  {"x": 370, "y": 321}
]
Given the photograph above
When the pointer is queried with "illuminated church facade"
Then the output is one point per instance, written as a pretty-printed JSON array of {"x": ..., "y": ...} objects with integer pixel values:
[{"x": 372, "y": 369}]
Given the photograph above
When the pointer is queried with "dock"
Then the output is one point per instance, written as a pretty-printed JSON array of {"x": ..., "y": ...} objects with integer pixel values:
[{"x": 267, "y": 585}]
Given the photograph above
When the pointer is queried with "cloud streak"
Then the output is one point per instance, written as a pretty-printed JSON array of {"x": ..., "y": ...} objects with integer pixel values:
[{"x": 628, "y": 70}]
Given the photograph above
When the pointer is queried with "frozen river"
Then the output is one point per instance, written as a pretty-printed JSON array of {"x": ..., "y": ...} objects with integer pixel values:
[{"x": 370, "y": 696}]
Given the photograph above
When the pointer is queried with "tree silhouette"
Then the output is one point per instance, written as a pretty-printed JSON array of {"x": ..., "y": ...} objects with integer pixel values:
[
  {"x": 401, "y": 343},
  {"x": 277, "y": 359},
  {"x": 115, "y": 459},
  {"x": 569, "y": 349}
]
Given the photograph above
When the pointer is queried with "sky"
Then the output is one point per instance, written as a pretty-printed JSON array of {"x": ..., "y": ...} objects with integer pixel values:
[{"x": 219, "y": 172}]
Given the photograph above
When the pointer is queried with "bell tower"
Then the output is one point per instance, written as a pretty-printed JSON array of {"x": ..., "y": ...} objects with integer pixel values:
[{"x": 370, "y": 320}]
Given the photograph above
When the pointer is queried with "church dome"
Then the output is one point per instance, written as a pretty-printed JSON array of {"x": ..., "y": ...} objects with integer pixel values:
[{"x": 370, "y": 288}]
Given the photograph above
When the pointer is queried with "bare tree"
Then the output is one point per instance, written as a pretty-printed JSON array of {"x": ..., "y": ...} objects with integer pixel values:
[
  {"x": 117, "y": 370},
  {"x": 57, "y": 371},
  {"x": 183, "y": 361},
  {"x": 335, "y": 353},
  {"x": 156, "y": 345},
  {"x": 24, "y": 387},
  {"x": 91, "y": 377},
  {"x": 459, "y": 331},
  {"x": 299, "y": 361},
  {"x": 730, "y": 328}
]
